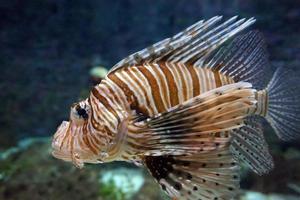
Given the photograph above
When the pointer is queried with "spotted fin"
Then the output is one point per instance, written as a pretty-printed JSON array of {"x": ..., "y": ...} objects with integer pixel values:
[
  {"x": 249, "y": 146},
  {"x": 193, "y": 43},
  {"x": 195, "y": 124},
  {"x": 208, "y": 175}
]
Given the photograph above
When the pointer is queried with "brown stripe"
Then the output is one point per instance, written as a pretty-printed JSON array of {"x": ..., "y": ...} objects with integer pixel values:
[
  {"x": 66, "y": 136},
  {"x": 184, "y": 87},
  {"x": 173, "y": 90},
  {"x": 100, "y": 112},
  {"x": 162, "y": 84},
  {"x": 98, "y": 142},
  {"x": 142, "y": 109},
  {"x": 131, "y": 98},
  {"x": 87, "y": 141},
  {"x": 217, "y": 67},
  {"x": 81, "y": 143},
  {"x": 207, "y": 80},
  {"x": 112, "y": 93},
  {"x": 154, "y": 88},
  {"x": 217, "y": 79},
  {"x": 105, "y": 102},
  {"x": 195, "y": 79},
  {"x": 93, "y": 120}
]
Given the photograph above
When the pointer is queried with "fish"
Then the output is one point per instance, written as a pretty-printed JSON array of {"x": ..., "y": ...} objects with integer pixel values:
[{"x": 190, "y": 109}]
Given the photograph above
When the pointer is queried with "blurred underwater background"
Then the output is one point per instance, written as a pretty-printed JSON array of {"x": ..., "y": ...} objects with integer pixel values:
[{"x": 53, "y": 51}]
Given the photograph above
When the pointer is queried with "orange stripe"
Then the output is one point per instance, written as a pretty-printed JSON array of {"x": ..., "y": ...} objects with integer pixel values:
[
  {"x": 87, "y": 141},
  {"x": 154, "y": 88},
  {"x": 162, "y": 84},
  {"x": 111, "y": 92},
  {"x": 131, "y": 98},
  {"x": 105, "y": 102},
  {"x": 142, "y": 109},
  {"x": 93, "y": 120},
  {"x": 100, "y": 112},
  {"x": 195, "y": 79},
  {"x": 98, "y": 142},
  {"x": 217, "y": 79},
  {"x": 171, "y": 84},
  {"x": 184, "y": 87}
]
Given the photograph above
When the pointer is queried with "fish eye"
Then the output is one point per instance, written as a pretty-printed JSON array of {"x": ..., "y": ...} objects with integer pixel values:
[{"x": 81, "y": 112}]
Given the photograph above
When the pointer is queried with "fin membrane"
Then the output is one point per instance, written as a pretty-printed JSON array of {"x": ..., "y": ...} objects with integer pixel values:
[
  {"x": 244, "y": 59},
  {"x": 206, "y": 176},
  {"x": 196, "y": 41},
  {"x": 194, "y": 125},
  {"x": 249, "y": 146},
  {"x": 284, "y": 103}
]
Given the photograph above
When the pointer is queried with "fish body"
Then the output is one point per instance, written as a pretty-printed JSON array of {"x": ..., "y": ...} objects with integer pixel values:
[{"x": 188, "y": 109}]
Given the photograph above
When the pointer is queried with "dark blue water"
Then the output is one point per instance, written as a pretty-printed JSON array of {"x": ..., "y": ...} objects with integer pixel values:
[{"x": 47, "y": 49}]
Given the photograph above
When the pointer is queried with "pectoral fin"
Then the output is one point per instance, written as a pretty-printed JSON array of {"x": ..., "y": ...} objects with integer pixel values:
[
  {"x": 195, "y": 125},
  {"x": 211, "y": 175}
]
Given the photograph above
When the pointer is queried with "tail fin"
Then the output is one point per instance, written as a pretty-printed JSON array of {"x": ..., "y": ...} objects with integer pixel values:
[{"x": 284, "y": 103}]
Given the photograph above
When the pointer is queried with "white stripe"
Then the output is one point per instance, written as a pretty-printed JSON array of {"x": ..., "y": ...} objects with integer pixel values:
[
  {"x": 147, "y": 87},
  {"x": 100, "y": 110},
  {"x": 110, "y": 96},
  {"x": 177, "y": 82},
  {"x": 188, "y": 81},
  {"x": 142, "y": 96},
  {"x": 104, "y": 91},
  {"x": 212, "y": 80},
  {"x": 165, "y": 83},
  {"x": 158, "y": 81},
  {"x": 202, "y": 77},
  {"x": 134, "y": 87},
  {"x": 118, "y": 92}
]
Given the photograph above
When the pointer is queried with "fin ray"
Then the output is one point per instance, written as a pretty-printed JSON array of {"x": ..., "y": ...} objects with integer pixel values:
[
  {"x": 170, "y": 133},
  {"x": 244, "y": 59},
  {"x": 249, "y": 146},
  {"x": 195, "y": 42},
  {"x": 284, "y": 104},
  {"x": 196, "y": 177}
]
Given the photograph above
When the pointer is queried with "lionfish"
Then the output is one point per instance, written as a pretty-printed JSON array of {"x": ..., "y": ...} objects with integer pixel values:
[{"x": 189, "y": 109}]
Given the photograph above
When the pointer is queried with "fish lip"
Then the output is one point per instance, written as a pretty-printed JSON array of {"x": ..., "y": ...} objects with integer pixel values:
[
  {"x": 57, "y": 152},
  {"x": 62, "y": 156},
  {"x": 61, "y": 129}
]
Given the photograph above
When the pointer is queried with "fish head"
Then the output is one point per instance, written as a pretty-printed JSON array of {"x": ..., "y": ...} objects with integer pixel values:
[{"x": 70, "y": 142}]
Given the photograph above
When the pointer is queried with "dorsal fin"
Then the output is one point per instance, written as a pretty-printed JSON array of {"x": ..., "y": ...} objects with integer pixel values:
[
  {"x": 244, "y": 59},
  {"x": 194, "y": 43}
]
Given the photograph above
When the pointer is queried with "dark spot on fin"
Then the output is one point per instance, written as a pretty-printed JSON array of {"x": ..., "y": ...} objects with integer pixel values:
[
  {"x": 185, "y": 176},
  {"x": 159, "y": 166}
]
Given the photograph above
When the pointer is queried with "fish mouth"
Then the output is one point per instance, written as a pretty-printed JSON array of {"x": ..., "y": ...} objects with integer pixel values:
[
  {"x": 65, "y": 146},
  {"x": 58, "y": 142},
  {"x": 62, "y": 156}
]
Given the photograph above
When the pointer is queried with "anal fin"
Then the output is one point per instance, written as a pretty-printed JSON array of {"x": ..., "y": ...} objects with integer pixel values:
[{"x": 249, "y": 146}]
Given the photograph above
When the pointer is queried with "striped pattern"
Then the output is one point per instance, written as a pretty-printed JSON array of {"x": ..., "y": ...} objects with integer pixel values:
[
  {"x": 153, "y": 88},
  {"x": 147, "y": 90},
  {"x": 144, "y": 90},
  {"x": 262, "y": 103}
]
